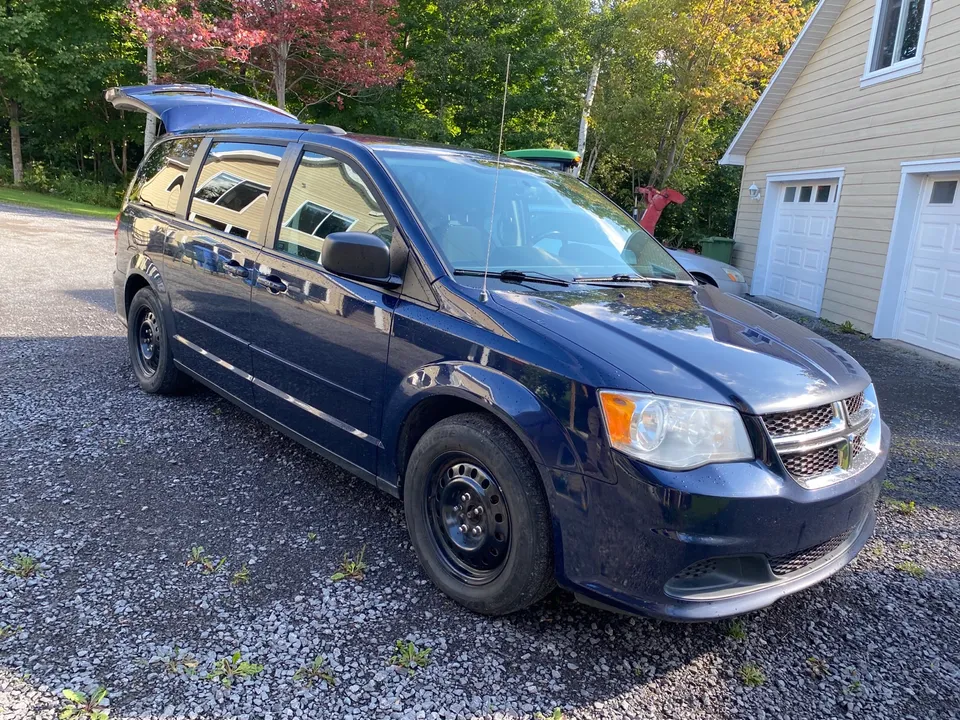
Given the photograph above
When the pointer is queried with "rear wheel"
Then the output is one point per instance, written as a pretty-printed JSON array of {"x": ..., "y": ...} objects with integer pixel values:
[
  {"x": 477, "y": 515},
  {"x": 149, "y": 345}
]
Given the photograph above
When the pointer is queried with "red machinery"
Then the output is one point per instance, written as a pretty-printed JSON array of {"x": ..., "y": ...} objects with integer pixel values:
[{"x": 656, "y": 201}]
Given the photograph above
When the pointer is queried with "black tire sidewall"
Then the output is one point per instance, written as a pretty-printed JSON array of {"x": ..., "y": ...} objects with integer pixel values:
[
  {"x": 528, "y": 570},
  {"x": 167, "y": 376}
]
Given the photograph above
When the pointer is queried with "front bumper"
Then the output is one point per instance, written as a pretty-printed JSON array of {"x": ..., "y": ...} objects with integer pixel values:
[{"x": 623, "y": 545}]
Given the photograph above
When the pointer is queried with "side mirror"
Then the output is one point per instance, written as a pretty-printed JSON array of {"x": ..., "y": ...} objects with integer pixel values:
[{"x": 358, "y": 256}]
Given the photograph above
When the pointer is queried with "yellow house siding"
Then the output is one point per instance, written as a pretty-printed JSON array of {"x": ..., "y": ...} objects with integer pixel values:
[{"x": 827, "y": 120}]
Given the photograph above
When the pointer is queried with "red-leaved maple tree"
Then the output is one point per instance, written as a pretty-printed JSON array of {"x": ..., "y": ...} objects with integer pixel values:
[{"x": 312, "y": 50}]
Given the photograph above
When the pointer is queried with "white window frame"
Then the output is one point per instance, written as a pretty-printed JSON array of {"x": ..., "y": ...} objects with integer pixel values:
[{"x": 903, "y": 67}]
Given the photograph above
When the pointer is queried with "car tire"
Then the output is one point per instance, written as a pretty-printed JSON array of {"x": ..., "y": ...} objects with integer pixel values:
[
  {"x": 508, "y": 564},
  {"x": 149, "y": 346}
]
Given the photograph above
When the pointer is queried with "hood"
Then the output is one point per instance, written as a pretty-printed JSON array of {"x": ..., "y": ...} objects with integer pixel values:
[{"x": 694, "y": 342}]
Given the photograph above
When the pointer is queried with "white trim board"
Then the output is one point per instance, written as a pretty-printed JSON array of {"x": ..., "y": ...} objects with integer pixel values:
[
  {"x": 913, "y": 175},
  {"x": 768, "y": 217}
]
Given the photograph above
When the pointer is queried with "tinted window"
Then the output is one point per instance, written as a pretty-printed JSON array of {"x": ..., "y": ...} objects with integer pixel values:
[
  {"x": 326, "y": 196},
  {"x": 160, "y": 178},
  {"x": 233, "y": 186}
]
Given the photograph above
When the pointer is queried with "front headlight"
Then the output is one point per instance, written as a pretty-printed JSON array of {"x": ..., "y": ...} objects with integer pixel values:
[
  {"x": 672, "y": 433},
  {"x": 734, "y": 274}
]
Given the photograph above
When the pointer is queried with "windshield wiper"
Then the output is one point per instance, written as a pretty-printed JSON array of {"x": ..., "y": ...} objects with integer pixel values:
[
  {"x": 515, "y": 276},
  {"x": 628, "y": 279}
]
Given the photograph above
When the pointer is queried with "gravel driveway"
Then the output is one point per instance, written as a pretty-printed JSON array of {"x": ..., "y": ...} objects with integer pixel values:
[{"x": 110, "y": 489}]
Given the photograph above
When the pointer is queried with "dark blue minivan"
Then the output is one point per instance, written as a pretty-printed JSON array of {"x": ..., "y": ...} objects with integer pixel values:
[{"x": 552, "y": 397}]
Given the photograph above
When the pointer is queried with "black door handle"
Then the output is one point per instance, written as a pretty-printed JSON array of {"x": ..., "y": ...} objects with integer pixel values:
[
  {"x": 234, "y": 268},
  {"x": 272, "y": 283}
]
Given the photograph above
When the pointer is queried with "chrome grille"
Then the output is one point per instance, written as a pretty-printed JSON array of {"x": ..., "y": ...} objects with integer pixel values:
[
  {"x": 813, "y": 463},
  {"x": 821, "y": 441},
  {"x": 799, "y": 421},
  {"x": 786, "y": 564},
  {"x": 854, "y": 404}
]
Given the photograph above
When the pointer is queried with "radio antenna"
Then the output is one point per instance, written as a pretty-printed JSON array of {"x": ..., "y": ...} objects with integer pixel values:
[{"x": 496, "y": 178}]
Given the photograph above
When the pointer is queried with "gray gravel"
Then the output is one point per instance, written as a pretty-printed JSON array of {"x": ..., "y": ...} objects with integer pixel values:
[{"x": 110, "y": 489}]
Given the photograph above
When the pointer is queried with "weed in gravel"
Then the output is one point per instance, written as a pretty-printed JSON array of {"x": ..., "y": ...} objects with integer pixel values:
[
  {"x": 847, "y": 328},
  {"x": 311, "y": 536},
  {"x": 409, "y": 656},
  {"x": 817, "y": 667},
  {"x": 557, "y": 714},
  {"x": 217, "y": 411},
  {"x": 888, "y": 486},
  {"x": 24, "y": 566},
  {"x": 228, "y": 669},
  {"x": 912, "y": 568},
  {"x": 351, "y": 568},
  {"x": 207, "y": 565},
  {"x": 121, "y": 442},
  {"x": 180, "y": 662},
  {"x": 85, "y": 707},
  {"x": 737, "y": 630},
  {"x": 904, "y": 508},
  {"x": 241, "y": 576},
  {"x": 752, "y": 676},
  {"x": 8, "y": 631},
  {"x": 316, "y": 671},
  {"x": 877, "y": 548}
]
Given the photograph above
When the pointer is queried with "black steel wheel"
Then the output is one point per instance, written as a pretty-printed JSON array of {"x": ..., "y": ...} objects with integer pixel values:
[
  {"x": 478, "y": 516},
  {"x": 468, "y": 517},
  {"x": 148, "y": 341},
  {"x": 149, "y": 346}
]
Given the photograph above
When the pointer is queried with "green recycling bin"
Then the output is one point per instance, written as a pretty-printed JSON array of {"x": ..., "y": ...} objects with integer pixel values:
[{"x": 717, "y": 248}]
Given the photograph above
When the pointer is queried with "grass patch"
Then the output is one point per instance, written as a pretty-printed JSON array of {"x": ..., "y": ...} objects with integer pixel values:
[
  {"x": 16, "y": 196},
  {"x": 737, "y": 630},
  {"x": 85, "y": 707},
  {"x": 315, "y": 672},
  {"x": 24, "y": 566},
  {"x": 911, "y": 568},
  {"x": 409, "y": 656},
  {"x": 904, "y": 508},
  {"x": 817, "y": 667},
  {"x": 207, "y": 565},
  {"x": 351, "y": 567},
  {"x": 752, "y": 676},
  {"x": 230, "y": 669}
]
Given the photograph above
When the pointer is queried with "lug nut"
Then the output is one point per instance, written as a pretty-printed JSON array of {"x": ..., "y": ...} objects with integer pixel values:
[
  {"x": 463, "y": 529},
  {"x": 457, "y": 508},
  {"x": 465, "y": 498},
  {"x": 476, "y": 531},
  {"x": 477, "y": 511}
]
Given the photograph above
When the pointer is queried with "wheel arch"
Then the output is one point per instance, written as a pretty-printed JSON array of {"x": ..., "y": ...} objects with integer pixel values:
[
  {"x": 142, "y": 272},
  {"x": 704, "y": 277},
  {"x": 437, "y": 392}
]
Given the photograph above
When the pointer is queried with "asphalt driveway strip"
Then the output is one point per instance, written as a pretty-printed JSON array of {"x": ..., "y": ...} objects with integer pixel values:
[{"x": 110, "y": 490}]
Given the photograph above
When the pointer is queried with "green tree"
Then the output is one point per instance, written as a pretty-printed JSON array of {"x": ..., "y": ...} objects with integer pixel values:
[{"x": 56, "y": 57}]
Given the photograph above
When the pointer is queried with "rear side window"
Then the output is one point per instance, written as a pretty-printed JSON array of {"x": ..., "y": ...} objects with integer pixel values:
[
  {"x": 233, "y": 186},
  {"x": 160, "y": 178},
  {"x": 326, "y": 196}
]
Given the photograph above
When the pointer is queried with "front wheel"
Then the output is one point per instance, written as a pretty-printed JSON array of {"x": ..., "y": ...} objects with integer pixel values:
[{"x": 477, "y": 515}]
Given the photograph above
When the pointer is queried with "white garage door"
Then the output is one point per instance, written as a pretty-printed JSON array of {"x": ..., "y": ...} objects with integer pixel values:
[
  {"x": 930, "y": 313},
  {"x": 801, "y": 241}
]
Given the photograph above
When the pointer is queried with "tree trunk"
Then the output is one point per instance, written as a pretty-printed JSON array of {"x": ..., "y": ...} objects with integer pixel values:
[
  {"x": 591, "y": 161},
  {"x": 281, "y": 53},
  {"x": 587, "y": 104},
  {"x": 16, "y": 155},
  {"x": 150, "y": 131}
]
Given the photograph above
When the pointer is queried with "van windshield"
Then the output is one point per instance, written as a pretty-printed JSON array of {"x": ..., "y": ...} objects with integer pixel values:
[{"x": 544, "y": 221}]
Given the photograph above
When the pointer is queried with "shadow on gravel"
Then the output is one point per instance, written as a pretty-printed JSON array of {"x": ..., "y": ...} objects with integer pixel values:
[{"x": 103, "y": 299}]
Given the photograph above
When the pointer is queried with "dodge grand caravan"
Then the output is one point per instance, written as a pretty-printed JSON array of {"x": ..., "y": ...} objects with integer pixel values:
[{"x": 552, "y": 397}]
